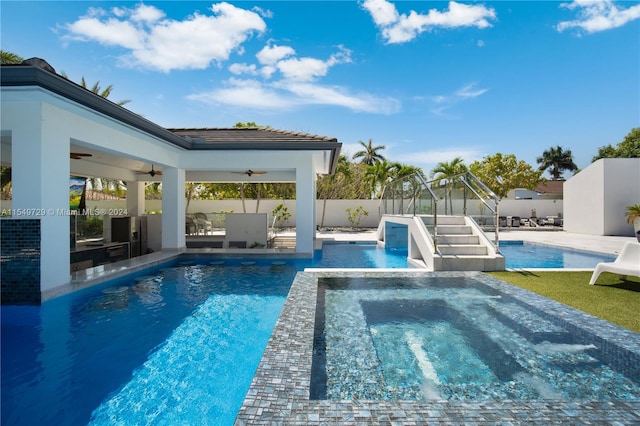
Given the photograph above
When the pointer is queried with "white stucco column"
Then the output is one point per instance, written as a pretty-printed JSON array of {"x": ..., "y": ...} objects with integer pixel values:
[
  {"x": 173, "y": 209},
  {"x": 40, "y": 178},
  {"x": 135, "y": 198},
  {"x": 305, "y": 206}
]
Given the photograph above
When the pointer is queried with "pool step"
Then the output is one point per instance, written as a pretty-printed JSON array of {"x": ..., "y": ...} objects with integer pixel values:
[
  {"x": 283, "y": 242},
  {"x": 460, "y": 244},
  {"x": 456, "y": 238}
]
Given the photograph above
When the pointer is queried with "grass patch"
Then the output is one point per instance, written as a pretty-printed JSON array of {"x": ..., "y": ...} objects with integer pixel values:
[{"x": 610, "y": 298}]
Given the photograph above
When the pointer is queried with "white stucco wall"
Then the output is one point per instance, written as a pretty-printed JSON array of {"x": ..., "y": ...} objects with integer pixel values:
[{"x": 596, "y": 198}]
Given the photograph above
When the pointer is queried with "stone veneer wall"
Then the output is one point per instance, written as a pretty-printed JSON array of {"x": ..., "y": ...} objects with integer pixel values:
[{"x": 20, "y": 261}]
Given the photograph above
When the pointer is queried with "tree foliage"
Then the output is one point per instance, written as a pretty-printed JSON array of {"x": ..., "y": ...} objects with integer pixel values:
[
  {"x": 556, "y": 160},
  {"x": 103, "y": 92},
  {"x": 7, "y": 58},
  {"x": 448, "y": 171},
  {"x": 369, "y": 154},
  {"x": 502, "y": 173},
  {"x": 628, "y": 148},
  {"x": 247, "y": 124}
]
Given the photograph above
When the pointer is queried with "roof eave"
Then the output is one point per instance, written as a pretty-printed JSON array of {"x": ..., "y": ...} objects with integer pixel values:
[{"x": 24, "y": 76}]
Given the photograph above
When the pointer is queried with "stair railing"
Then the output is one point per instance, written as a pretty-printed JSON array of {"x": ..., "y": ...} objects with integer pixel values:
[
  {"x": 424, "y": 197},
  {"x": 419, "y": 197}
]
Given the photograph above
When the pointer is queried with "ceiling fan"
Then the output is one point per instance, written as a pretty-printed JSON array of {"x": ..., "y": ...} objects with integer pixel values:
[
  {"x": 151, "y": 172},
  {"x": 250, "y": 172},
  {"x": 78, "y": 155}
]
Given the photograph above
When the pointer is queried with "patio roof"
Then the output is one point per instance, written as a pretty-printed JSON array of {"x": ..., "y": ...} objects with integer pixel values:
[
  {"x": 193, "y": 139},
  {"x": 257, "y": 139}
]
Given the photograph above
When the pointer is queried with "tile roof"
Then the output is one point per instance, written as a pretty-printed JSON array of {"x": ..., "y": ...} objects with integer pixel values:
[
  {"x": 253, "y": 138},
  {"x": 551, "y": 187}
]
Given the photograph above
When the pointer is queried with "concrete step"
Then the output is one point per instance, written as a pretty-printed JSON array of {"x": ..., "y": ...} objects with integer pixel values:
[
  {"x": 283, "y": 242},
  {"x": 454, "y": 229},
  {"x": 471, "y": 263},
  {"x": 444, "y": 220},
  {"x": 462, "y": 250},
  {"x": 458, "y": 239}
]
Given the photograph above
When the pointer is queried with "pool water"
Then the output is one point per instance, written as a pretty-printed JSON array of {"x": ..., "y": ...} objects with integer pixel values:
[
  {"x": 455, "y": 338},
  {"x": 519, "y": 254},
  {"x": 172, "y": 345}
]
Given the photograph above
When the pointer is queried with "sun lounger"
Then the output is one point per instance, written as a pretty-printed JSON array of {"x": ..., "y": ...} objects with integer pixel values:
[{"x": 627, "y": 263}]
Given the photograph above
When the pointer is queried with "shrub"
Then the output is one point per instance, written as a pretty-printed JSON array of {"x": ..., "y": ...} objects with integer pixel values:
[{"x": 354, "y": 216}]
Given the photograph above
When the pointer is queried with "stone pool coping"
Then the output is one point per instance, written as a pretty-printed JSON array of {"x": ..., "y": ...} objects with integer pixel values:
[{"x": 279, "y": 392}]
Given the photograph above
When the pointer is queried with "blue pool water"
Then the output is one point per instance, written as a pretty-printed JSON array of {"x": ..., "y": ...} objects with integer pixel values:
[
  {"x": 180, "y": 344},
  {"x": 519, "y": 254},
  {"x": 455, "y": 338},
  {"x": 175, "y": 345}
]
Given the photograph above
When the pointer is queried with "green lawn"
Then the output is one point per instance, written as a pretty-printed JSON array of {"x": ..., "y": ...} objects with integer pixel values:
[{"x": 610, "y": 298}]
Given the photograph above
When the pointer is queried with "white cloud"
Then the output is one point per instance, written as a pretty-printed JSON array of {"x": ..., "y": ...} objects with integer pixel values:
[
  {"x": 243, "y": 69},
  {"x": 158, "y": 43},
  {"x": 598, "y": 15},
  {"x": 443, "y": 103},
  {"x": 315, "y": 94},
  {"x": 383, "y": 13},
  {"x": 110, "y": 32},
  {"x": 281, "y": 58},
  {"x": 303, "y": 69},
  {"x": 285, "y": 95},
  {"x": 289, "y": 81},
  {"x": 144, "y": 13},
  {"x": 397, "y": 28},
  {"x": 469, "y": 91},
  {"x": 279, "y": 78},
  {"x": 246, "y": 93},
  {"x": 269, "y": 55}
]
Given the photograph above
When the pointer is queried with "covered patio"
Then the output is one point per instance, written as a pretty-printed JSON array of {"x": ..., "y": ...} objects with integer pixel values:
[{"x": 53, "y": 128}]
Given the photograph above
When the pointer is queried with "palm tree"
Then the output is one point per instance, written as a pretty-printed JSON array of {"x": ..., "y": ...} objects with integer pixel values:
[
  {"x": 379, "y": 174},
  {"x": 369, "y": 154},
  {"x": 328, "y": 186},
  {"x": 404, "y": 170},
  {"x": 103, "y": 93},
  {"x": 447, "y": 172},
  {"x": 556, "y": 159},
  {"x": 7, "y": 58}
]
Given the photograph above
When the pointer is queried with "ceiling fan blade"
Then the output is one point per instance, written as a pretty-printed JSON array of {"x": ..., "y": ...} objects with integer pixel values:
[
  {"x": 250, "y": 172},
  {"x": 79, "y": 155},
  {"x": 151, "y": 172}
]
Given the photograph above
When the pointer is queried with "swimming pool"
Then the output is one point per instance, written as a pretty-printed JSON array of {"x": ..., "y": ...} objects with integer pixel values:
[
  {"x": 519, "y": 254},
  {"x": 178, "y": 343},
  {"x": 453, "y": 338},
  {"x": 283, "y": 382}
]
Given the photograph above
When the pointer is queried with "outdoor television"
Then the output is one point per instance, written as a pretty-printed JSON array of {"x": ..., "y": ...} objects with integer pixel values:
[{"x": 77, "y": 186}]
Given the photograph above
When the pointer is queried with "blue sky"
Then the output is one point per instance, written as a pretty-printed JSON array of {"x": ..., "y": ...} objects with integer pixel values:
[{"x": 430, "y": 80}]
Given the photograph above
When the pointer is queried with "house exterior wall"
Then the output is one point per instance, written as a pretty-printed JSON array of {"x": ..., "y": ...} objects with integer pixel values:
[{"x": 596, "y": 198}]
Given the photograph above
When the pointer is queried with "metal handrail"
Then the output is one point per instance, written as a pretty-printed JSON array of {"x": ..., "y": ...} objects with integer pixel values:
[
  {"x": 422, "y": 185},
  {"x": 467, "y": 179}
]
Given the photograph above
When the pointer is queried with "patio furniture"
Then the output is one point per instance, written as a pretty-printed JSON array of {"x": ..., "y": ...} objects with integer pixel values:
[
  {"x": 190, "y": 226},
  {"x": 627, "y": 263},
  {"x": 202, "y": 223}
]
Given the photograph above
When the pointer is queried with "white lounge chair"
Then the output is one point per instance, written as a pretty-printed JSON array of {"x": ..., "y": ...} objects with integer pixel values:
[{"x": 627, "y": 263}]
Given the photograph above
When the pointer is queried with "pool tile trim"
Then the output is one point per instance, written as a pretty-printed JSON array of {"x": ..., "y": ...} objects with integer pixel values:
[{"x": 279, "y": 392}]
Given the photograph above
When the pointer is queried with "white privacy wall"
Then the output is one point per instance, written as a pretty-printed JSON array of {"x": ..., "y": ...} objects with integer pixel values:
[{"x": 595, "y": 199}]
